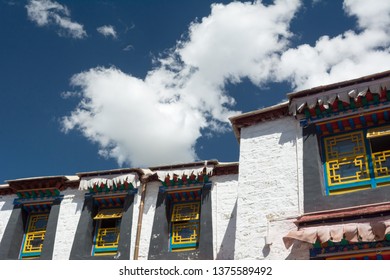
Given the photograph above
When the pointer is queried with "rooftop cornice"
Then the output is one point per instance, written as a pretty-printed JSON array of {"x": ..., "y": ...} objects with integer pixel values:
[
  {"x": 339, "y": 85},
  {"x": 265, "y": 114},
  {"x": 139, "y": 171}
]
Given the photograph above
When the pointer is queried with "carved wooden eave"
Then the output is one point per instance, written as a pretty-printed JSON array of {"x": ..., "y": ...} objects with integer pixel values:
[
  {"x": 336, "y": 86},
  {"x": 5, "y": 190},
  {"x": 350, "y": 94},
  {"x": 120, "y": 171},
  {"x": 230, "y": 168},
  {"x": 49, "y": 185}
]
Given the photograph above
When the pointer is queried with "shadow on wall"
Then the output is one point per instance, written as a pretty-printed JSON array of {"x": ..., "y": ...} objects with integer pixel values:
[
  {"x": 299, "y": 251},
  {"x": 226, "y": 251},
  {"x": 8, "y": 205}
]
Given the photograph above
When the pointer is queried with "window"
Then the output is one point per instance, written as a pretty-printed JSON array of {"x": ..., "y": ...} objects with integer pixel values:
[
  {"x": 185, "y": 226},
  {"x": 107, "y": 230},
  {"x": 184, "y": 220},
  {"x": 380, "y": 147},
  {"x": 357, "y": 160},
  {"x": 34, "y": 235}
]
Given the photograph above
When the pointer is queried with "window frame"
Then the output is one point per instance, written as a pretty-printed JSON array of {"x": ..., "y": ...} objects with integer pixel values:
[
  {"x": 177, "y": 223},
  {"x": 372, "y": 181},
  {"x": 110, "y": 248},
  {"x": 29, "y": 235}
]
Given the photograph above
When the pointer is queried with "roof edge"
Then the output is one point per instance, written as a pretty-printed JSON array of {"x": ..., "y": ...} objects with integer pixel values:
[
  {"x": 337, "y": 85},
  {"x": 265, "y": 114}
]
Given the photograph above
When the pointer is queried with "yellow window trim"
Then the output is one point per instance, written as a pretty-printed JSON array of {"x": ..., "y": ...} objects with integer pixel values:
[
  {"x": 110, "y": 213},
  {"x": 178, "y": 215},
  {"x": 378, "y": 132}
]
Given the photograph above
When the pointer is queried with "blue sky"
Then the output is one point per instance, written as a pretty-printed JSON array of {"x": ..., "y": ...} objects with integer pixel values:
[{"x": 96, "y": 85}]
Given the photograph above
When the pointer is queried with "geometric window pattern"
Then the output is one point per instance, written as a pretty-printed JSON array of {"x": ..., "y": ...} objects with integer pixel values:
[
  {"x": 34, "y": 236},
  {"x": 107, "y": 230},
  {"x": 346, "y": 158},
  {"x": 381, "y": 163},
  {"x": 350, "y": 164},
  {"x": 184, "y": 226}
]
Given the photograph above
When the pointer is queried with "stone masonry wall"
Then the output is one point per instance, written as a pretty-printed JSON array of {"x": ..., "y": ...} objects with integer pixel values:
[
  {"x": 270, "y": 189},
  {"x": 70, "y": 211}
]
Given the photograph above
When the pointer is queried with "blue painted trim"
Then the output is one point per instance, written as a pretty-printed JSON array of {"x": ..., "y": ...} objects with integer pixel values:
[
  {"x": 19, "y": 201},
  {"x": 322, "y": 152},
  {"x": 94, "y": 237},
  {"x": 163, "y": 188},
  {"x": 383, "y": 179},
  {"x": 329, "y": 127},
  {"x": 30, "y": 255},
  {"x": 340, "y": 125},
  {"x": 363, "y": 120},
  {"x": 183, "y": 246},
  {"x": 351, "y": 123},
  {"x": 108, "y": 249},
  {"x": 375, "y": 118},
  {"x": 369, "y": 159},
  {"x": 367, "y": 182}
]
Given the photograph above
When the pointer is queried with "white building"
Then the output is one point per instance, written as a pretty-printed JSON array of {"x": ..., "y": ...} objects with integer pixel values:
[{"x": 311, "y": 183}]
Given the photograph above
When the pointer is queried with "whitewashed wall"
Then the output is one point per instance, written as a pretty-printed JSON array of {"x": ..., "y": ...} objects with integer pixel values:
[
  {"x": 147, "y": 220},
  {"x": 224, "y": 199},
  {"x": 68, "y": 219},
  {"x": 270, "y": 189},
  {"x": 6, "y": 206}
]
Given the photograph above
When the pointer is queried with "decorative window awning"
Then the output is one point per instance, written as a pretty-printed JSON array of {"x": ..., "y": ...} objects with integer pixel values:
[
  {"x": 355, "y": 121},
  {"x": 109, "y": 201},
  {"x": 125, "y": 182},
  {"x": 326, "y": 99},
  {"x": 162, "y": 174},
  {"x": 378, "y": 132},
  {"x": 37, "y": 207},
  {"x": 111, "y": 213},
  {"x": 365, "y": 231},
  {"x": 185, "y": 195},
  {"x": 184, "y": 176}
]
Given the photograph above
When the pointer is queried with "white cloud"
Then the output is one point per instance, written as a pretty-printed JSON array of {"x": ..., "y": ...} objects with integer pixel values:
[
  {"x": 124, "y": 116},
  {"x": 46, "y": 12},
  {"x": 158, "y": 119},
  {"x": 374, "y": 15},
  {"x": 107, "y": 30},
  {"x": 346, "y": 56},
  {"x": 128, "y": 48}
]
